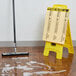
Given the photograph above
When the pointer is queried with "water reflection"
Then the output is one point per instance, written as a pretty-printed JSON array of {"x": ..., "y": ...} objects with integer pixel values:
[{"x": 58, "y": 65}]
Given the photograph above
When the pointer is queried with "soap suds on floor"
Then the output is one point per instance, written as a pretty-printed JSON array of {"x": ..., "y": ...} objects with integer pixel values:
[
  {"x": 34, "y": 62},
  {"x": 49, "y": 67},
  {"x": 49, "y": 72},
  {"x": 42, "y": 72},
  {"x": 8, "y": 68},
  {"x": 28, "y": 63},
  {"x": 20, "y": 58},
  {"x": 27, "y": 74},
  {"x": 7, "y": 65},
  {"x": 24, "y": 67},
  {"x": 36, "y": 66}
]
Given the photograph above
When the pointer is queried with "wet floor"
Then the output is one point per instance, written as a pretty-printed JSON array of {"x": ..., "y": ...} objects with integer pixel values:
[{"x": 36, "y": 64}]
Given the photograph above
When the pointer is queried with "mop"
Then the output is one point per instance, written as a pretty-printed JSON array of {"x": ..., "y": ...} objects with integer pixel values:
[{"x": 15, "y": 53}]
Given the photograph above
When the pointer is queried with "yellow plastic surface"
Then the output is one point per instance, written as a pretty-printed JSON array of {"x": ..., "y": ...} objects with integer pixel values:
[{"x": 58, "y": 48}]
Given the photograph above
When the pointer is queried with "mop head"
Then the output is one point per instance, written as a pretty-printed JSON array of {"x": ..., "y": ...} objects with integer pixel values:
[{"x": 15, "y": 54}]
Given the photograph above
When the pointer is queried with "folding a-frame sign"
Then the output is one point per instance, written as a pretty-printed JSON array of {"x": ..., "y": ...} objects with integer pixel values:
[{"x": 57, "y": 31}]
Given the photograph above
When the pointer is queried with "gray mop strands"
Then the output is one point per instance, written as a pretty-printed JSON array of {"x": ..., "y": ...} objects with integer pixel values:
[{"x": 14, "y": 53}]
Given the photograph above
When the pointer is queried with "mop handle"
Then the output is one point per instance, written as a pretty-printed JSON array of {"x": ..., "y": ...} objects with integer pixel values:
[{"x": 14, "y": 28}]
